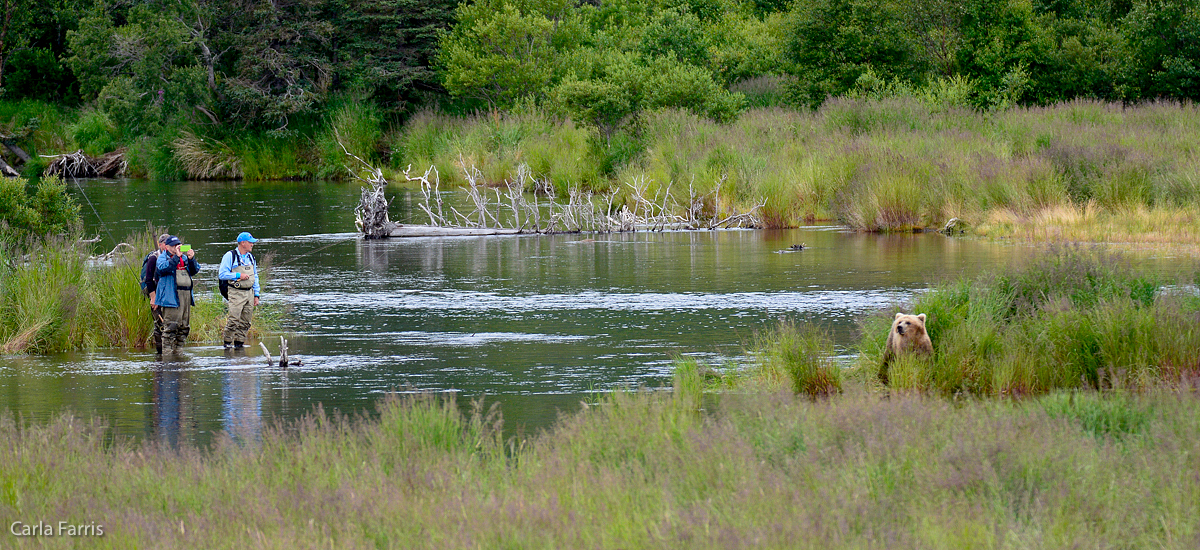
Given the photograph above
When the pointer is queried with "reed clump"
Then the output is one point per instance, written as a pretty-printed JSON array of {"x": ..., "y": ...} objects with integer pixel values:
[
  {"x": 1076, "y": 317},
  {"x": 638, "y": 470},
  {"x": 54, "y": 297}
]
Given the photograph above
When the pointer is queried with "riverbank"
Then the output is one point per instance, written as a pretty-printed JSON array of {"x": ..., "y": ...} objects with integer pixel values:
[
  {"x": 1076, "y": 171},
  {"x": 58, "y": 299},
  {"x": 642, "y": 470},
  {"x": 1073, "y": 318}
]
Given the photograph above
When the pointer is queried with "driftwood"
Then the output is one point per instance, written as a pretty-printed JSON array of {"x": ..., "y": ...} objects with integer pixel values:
[
  {"x": 283, "y": 355},
  {"x": 8, "y": 171},
  {"x": 371, "y": 215},
  {"x": 508, "y": 210},
  {"x": 79, "y": 165},
  {"x": 20, "y": 153}
]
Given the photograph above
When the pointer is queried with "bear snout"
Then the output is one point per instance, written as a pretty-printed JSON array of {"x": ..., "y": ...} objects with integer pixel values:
[{"x": 900, "y": 330}]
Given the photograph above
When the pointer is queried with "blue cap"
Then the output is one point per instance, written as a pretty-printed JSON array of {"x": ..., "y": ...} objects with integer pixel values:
[
  {"x": 245, "y": 236},
  {"x": 172, "y": 241}
]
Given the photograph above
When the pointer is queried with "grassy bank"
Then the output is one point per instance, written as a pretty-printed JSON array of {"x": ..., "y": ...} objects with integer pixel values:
[
  {"x": 1072, "y": 318},
  {"x": 642, "y": 471},
  {"x": 53, "y": 298},
  {"x": 1081, "y": 170}
]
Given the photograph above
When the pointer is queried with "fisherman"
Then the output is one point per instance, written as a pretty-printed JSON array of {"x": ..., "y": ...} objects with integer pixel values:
[
  {"x": 149, "y": 286},
  {"x": 176, "y": 268},
  {"x": 239, "y": 271}
]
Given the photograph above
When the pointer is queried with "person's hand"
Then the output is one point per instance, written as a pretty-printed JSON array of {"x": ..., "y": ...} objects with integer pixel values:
[
  {"x": 256, "y": 301},
  {"x": 191, "y": 253},
  {"x": 243, "y": 276}
]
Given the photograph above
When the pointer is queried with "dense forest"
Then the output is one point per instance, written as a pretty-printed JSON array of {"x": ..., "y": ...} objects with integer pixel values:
[{"x": 275, "y": 79}]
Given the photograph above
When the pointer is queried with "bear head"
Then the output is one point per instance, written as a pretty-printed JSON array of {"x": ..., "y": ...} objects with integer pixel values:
[{"x": 909, "y": 326}]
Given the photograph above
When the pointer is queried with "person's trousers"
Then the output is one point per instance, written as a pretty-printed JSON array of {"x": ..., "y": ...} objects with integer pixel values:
[
  {"x": 156, "y": 337},
  {"x": 177, "y": 322},
  {"x": 241, "y": 313}
]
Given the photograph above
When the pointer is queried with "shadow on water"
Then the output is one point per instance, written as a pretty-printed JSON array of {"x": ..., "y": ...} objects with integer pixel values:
[{"x": 537, "y": 323}]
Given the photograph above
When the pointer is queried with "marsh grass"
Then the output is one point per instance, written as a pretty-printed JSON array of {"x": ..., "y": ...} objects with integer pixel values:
[
  {"x": 638, "y": 470},
  {"x": 1074, "y": 318},
  {"x": 558, "y": 151},
  {"x": 52, "y": 298}
]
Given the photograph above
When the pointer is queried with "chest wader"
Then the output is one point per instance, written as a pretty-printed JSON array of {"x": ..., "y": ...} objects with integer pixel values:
[
  {"x": 156, "y": 314},
  {"x": 241, "y": 305},
  {"x": 177, "y": 320}
]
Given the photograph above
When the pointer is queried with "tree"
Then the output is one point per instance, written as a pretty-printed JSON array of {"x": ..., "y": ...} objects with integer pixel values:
[
  {"x": 387, "y": 48},
  {"x": 142, "y": 72},
  {"x": 1161, "y": 56},
  {"x": 279, "y": 63},
  {"x": 498, "y": 56},
  {"x": 16, "y": 29},
  {"x": 836, "y": 41}
]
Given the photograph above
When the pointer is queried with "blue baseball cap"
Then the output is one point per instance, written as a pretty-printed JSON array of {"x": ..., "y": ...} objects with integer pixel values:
[
  {"x": 172, "y": 240},
  {"x": 246, "y": 236}
]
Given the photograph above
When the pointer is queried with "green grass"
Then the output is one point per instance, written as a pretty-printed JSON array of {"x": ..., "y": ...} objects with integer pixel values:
[
  {"x": 59, "y": 300},
  {"x": 1073, "y": 318},
  {"x": 641, "y": 470}
]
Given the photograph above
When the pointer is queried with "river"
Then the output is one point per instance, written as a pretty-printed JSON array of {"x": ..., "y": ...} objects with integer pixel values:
[{"x": 538, "y": 323}]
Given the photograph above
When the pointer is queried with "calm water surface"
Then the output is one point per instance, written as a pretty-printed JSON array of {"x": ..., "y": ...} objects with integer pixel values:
[{"x": 535, "y": 322}]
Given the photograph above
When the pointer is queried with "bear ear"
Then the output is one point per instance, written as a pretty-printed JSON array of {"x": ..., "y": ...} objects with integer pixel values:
[
  {"x": 899, "y": 315},
  {"x": 921, "y": 317}
]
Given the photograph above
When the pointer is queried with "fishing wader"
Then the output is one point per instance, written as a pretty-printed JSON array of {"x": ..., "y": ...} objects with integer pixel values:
[
  {"x": 241, "y": 306},
  {"x": 156, "y": 314},
  {"x": 177, "y": 320}
]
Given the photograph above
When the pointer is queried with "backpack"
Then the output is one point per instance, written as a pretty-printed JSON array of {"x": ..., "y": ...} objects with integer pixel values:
[{"x": 150, "y": 273}]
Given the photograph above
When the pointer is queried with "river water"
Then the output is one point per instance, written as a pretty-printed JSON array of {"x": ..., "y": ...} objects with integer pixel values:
[{"x": 535, "y": 322}]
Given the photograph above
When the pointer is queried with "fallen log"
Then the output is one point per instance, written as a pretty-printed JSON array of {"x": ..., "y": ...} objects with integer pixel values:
[
  {"x": 111, "y": 165},
  {"x": 436, "y": 231},
  {"x": 20, "y": 153},
  {"x": 8, "y": 171}
]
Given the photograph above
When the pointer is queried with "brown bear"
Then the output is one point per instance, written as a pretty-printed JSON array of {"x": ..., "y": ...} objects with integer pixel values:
[{"x": 907, "y": 336}]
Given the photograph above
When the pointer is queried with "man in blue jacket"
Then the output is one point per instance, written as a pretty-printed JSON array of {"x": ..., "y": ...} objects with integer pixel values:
[
  {"x": 174, "y": 294},
  {"x": 239, "y": 271}
]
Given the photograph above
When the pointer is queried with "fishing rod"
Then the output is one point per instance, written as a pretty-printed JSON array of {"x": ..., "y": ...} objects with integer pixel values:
[{"x": 313, "y": 251}]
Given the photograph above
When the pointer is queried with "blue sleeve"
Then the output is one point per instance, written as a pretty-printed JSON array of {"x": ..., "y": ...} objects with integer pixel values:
[
  {"x": 193, "y": 266},
  {"x": 255, "y": 262},
  {"x": 225, "y": 272},
  {"x": 165, "y": 266}
]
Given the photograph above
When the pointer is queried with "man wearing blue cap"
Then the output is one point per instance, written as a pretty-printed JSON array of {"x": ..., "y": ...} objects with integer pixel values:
[
  {"x": 176, "y": 268},
  {"x": 239, "y": 272}
]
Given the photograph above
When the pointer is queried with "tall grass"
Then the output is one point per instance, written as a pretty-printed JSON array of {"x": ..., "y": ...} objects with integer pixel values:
[
  {"x": 766, "y": 470},
  {"x": 560, "y": 152},
  {"x": 1074, "y": 318},
  {"x": 355, "y": 126},
  {"x": 797, "y": 357},
  {"x": 52, "y": 298}
]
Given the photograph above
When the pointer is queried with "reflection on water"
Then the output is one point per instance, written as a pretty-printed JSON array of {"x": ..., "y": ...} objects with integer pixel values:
[{"x": 534, "y": 322}]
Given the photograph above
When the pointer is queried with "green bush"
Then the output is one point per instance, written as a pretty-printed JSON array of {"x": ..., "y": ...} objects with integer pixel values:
[
  {"x": 35, "y": 211},
  {"x": 94, "y": 132},
  {"x": 1074, "y": 318}
]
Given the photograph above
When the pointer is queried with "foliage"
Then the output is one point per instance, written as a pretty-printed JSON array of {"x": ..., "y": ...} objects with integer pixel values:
[
  {"x": 801, "y": 355},
  {"x": 1075, "y": 318},
  {"x": 94, "y": 132},
  {"x": 35, "y": 210},
  {"x": 763, "y": 469}
]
